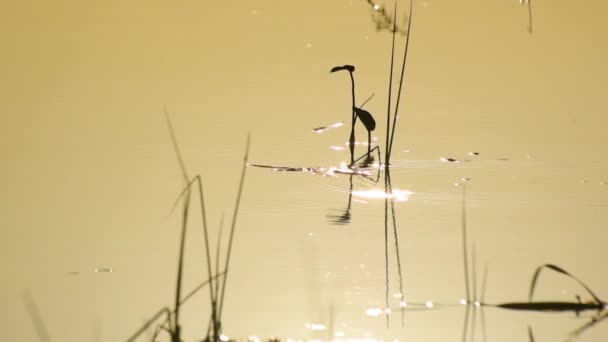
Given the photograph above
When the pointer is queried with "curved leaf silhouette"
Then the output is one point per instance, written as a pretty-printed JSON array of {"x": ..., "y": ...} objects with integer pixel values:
[
  {"x": 350, "y": 68},
  {"x": 562, "y": 271},
  {"x": 366, "y": 118}
]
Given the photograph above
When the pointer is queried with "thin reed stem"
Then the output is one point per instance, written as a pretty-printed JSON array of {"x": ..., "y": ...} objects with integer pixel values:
[
  {"x": 407, "y": 43},
  {"x": 232, "y": 228}
]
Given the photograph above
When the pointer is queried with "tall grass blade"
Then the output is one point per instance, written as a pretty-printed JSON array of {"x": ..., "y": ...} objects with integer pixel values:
[
  {"x": 164, "y": 311},
  {"x": 184, "y": 228},
  {"x": 407, "y": 44},
  {"x": 562, "y": 271},
  {"x": 390, "y": 88},
  {"x": 232, "y": 228}
]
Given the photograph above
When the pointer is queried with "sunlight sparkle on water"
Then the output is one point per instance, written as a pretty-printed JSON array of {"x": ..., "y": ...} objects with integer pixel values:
[
  {"x": 402, "y": 304},
  {"x": 428, "y": 304},
  {"x": 315, "y": 326},
  {"x": 399, "y": 195},
  {"x": 224, "y": 338},
  {"x": 376, "y": 7},
  {"x": 463, "y": 302},
  {"x": 373, "y": 312}
]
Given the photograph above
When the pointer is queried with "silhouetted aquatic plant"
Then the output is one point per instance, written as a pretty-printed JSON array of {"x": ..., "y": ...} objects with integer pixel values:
[
  {"x": 172, "y": 317},
  {"x": 188, "y": 182},
  {"x": 351, "y": 140},
  {"x": 370, "y": 124},
  {"x": 472, "y": 301}
]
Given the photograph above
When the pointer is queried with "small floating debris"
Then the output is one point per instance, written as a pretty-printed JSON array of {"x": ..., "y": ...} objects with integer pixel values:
[
  {"x": 103, "y": 270},
  {"x": 72, "y": 273},
  {"x": 603, "y": 183},
  {"x": 473, "y": 153},
  {"x": 584, "y": 181},
  {"x": 503, "y": 159},
  {"x": 449, "y": 160},
  {"x": 322, "y": 129}
]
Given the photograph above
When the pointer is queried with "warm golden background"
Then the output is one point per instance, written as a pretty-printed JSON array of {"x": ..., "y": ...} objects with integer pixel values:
[{"x": 88, "y": 175}]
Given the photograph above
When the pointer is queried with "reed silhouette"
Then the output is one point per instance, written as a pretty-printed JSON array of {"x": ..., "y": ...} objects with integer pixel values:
[
  {"x": 216, "y": 291},
  {"x": 473, "y": 302},
  {"x": 363, "y": 170}
]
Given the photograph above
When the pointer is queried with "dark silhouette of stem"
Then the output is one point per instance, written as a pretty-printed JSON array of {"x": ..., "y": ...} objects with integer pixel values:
[
  {"x": 183, "y": 235},
  {"x": 164, "y": 311},
  {"x": 390, "y": 90},
  {"x": 407, "y": 43},
  {"x": 178, "y": 287},
  {"x": 351, "y": 140},
  {"x": 232, "y": 228}
]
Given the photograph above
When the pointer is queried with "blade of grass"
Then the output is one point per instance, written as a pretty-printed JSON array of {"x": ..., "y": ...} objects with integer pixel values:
[
  {"x": 145, "y": 326},
  {"x": 232, "y": 228},
  {"x": 562, "y": 271},
  {"x": 407, "y": 43},
  {"x": 184, "y": 228},
  {"x": 390, "y": 88}
]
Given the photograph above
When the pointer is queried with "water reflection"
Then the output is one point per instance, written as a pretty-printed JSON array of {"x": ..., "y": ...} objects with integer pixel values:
[{"x": 473, "y": 302}]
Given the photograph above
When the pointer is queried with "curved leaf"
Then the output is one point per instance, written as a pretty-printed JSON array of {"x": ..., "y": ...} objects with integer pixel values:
[
  {"x": 350, "y": 68},
  {"x": 562, "y": 271},
  {"x": 366, "y": 118}
]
